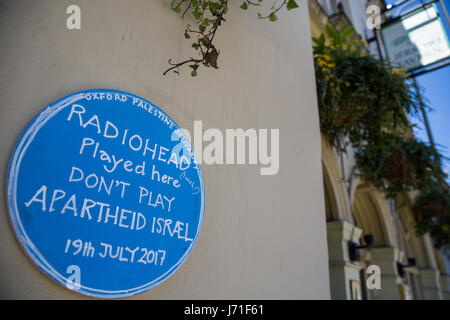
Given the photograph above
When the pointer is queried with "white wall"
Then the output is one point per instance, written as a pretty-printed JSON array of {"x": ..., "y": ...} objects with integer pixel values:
[{"x": 262, "y": 237}]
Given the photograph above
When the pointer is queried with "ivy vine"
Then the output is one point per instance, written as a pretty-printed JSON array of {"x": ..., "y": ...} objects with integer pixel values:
[{"x": 208, "y": 17}]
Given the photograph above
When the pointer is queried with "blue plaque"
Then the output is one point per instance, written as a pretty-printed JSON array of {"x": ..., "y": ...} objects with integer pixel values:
[{"x": 105, "y": 193}]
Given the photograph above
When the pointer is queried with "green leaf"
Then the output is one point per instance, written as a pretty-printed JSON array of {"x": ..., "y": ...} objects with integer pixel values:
[
  {"x": 320, "y": 42},
  {"x": 332, "y": 33},
  {"x": 214, "y": 7},
  {"x": 197, "y": 15},
  {"x": 347, "y": 32},
  {"x": 244, "y": 6},
  {"x": 291, "y": 5},
  {"x": 273, "y": 17}
]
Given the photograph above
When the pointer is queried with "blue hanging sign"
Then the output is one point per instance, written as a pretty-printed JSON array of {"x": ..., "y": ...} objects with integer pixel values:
[{"x": 105, "y": 193}]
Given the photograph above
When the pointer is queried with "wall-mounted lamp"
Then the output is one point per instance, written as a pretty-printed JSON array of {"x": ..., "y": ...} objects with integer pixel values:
[
  {"x": 401, "y": 267},
  {"x": 354, "y": 248}
]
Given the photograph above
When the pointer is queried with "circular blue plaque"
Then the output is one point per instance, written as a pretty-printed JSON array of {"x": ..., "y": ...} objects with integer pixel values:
[{"x": 105, "y": 193}]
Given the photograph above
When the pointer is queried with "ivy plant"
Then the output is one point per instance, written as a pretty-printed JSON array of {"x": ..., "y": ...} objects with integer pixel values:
[{"x": 208, "y": 17}]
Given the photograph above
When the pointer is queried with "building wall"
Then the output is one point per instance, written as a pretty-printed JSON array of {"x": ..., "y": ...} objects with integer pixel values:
[
  {"x": 355, "y": 10},
  {"x": 262, "y": 236},
  {"x": 355, "y": 209}
]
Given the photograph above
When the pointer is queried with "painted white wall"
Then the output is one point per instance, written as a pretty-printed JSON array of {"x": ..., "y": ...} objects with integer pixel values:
[{"x": 262, "y": 237}]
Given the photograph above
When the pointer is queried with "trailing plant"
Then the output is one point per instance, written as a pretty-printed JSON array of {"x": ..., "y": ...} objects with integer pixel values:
[
  {"x": 432, "y": 214},
  {"x": 208, "y": 16},
  {"x": 360, "y": 96},
  {"x": 395, "y": 164},
  {"x": 365, "y": 103}
]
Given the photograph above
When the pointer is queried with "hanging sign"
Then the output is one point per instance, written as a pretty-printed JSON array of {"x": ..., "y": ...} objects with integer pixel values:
[
  {"x": 416, "y": 40},
  {"x": 105, "y": 193}
]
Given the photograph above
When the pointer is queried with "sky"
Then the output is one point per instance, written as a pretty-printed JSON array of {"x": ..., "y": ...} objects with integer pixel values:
[{"x": 436, "y": 90}]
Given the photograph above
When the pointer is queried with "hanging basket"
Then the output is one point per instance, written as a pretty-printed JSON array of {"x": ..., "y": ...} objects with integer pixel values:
[
  {"x": 432, "y": 214},
  {"x": 433, "y": 206},
  {"x": 399, "y": 168}
]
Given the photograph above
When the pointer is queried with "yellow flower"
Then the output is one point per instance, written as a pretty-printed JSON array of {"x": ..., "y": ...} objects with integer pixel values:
[
  {"x": 347, "y": 84},
  {"x": 399, "y": 72}
]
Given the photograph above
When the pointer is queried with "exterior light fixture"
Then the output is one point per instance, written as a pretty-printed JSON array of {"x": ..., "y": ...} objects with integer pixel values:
[
  {"x": 401, "y": 267},
  {"x": 354, "y": 248}
]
